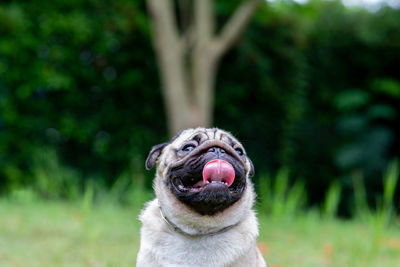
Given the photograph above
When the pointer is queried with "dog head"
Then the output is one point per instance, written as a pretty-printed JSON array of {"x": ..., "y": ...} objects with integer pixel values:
[
  {"x": 202, "y": 180},
  {"x": 207, "y": 169}
]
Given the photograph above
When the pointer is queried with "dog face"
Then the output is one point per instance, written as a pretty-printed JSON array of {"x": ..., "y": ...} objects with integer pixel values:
[{"x": 205, "y": 169}]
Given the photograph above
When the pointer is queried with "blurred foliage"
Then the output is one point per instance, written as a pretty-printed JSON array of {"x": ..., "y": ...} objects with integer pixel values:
[
  {"x": 314, "y": 88},
  {"x": 78, "y": 77}
]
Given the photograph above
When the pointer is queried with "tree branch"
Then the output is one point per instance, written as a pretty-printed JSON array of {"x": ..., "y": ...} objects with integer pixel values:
[
  {"x": 235, "y": 26},
  {"x": 204, "y": 20},
  {"x": 170, "y": 56},
  {"x": 163, "y": 18}
]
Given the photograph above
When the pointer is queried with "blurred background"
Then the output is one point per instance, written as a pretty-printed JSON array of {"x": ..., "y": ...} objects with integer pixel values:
[{"x": 311, "y": 88}]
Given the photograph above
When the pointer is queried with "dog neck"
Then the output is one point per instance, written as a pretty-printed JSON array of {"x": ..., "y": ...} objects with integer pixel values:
[{"x": 175, "y": 228}]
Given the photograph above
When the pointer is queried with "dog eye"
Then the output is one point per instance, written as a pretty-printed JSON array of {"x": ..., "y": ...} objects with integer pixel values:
[
  {"x": 239, "y": 151},
  {"x": 188, "y": 148}
]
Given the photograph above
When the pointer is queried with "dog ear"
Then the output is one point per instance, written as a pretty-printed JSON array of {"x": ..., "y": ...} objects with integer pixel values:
[
  {"x": 155, "y": 152},
  {"x": 251, "y": 172}
]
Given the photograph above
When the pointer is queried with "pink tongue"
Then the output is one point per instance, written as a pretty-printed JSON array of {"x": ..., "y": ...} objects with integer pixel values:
[{"x": 218, "y": 170}]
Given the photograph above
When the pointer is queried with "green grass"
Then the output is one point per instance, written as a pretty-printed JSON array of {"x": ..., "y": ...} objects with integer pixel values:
[
  {"x": 94, "y": 228},
  {"x": 44, "y": 233},
  {"x": 64, "y": 234},
  {"x": 309, "y": 240}
]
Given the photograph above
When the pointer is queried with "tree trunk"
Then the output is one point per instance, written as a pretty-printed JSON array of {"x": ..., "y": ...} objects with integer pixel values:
[{"x": 188, "y": 61}]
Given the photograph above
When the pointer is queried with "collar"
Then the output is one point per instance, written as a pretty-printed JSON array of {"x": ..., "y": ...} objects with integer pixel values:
[{"x": 175, "y": 228}]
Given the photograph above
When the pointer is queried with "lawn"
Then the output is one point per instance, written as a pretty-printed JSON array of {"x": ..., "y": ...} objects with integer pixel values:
[{"x": 51, "y": 233}]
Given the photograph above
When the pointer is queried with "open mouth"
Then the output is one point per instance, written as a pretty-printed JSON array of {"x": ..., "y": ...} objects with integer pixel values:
[
  {"x": 206, "y": 182},
  {"x": 216, "y": 175}
]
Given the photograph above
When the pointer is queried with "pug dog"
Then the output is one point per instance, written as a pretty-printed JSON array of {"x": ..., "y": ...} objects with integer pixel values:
[{"x": 202, "y": 214}]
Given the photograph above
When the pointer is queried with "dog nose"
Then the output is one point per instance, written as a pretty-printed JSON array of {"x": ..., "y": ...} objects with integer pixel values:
[{"x": 216, "y": 150}]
